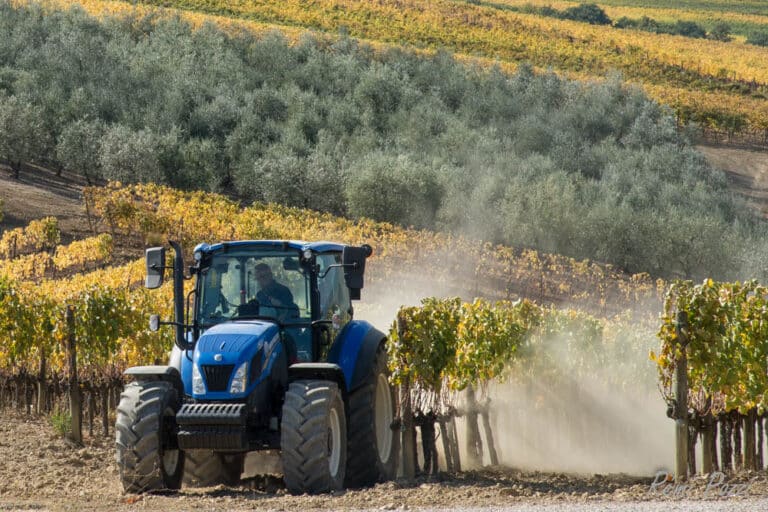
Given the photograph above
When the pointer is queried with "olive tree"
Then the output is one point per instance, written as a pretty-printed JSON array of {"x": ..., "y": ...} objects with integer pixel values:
[
  {"x": 79, "y": 148},
  {"x": 23, "y": 137},
  {"x": 130, "y": 156}
]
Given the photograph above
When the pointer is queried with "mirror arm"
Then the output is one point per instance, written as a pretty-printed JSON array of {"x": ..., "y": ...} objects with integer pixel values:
[
  {"x": 337, "y": 265},
  {"x": 161, "y": 323},
  {"x": 170, "y": 322}
]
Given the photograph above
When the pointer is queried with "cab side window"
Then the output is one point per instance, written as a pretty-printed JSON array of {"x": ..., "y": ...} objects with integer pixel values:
[{"x": 335, "y": 304}]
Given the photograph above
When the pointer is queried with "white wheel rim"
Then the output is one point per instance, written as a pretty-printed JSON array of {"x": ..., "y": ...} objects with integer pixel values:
[
  {"x": 383, "y": 418},
  {"x": 170, "y": 458},
  {"x": 334, "y": 442}
]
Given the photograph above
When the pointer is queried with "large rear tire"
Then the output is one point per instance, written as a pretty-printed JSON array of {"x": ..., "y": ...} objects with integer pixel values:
[
  {"x": 313, "y": 437},
  {"x": 143, "y": 415},
  {"x": 205, "y": 468},
  {"x": 373, "y": 445}
]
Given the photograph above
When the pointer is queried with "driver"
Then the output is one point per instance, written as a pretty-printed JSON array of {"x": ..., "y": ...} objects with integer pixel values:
[{"x": 271, "y": 293}]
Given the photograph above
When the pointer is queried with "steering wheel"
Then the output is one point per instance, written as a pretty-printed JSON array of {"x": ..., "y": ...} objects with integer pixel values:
[{"x": 249, "y": 308}]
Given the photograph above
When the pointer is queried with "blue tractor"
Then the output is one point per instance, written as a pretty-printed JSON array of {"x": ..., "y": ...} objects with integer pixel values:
[{"x": 269, "y": 357}]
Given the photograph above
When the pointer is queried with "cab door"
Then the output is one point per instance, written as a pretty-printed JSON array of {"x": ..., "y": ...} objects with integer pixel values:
[{"x": 335, "y": 304}]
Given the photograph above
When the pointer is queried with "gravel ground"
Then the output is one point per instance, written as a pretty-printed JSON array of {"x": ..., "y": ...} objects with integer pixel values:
[
  {"x": 40, "y": 470},
  {"x": 751, "y": 505}
]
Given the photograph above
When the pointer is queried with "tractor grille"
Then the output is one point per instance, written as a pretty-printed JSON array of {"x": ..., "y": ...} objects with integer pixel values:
[{"x": 217, "y": 376}]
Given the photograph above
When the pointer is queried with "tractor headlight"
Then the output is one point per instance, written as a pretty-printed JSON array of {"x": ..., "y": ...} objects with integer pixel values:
[
  {"x": 198, "y": 386},
  {"x": 240, "y": 379}
]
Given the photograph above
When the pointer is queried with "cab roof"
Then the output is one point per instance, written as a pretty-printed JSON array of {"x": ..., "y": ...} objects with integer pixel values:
[{"x": 318, "y": 247}]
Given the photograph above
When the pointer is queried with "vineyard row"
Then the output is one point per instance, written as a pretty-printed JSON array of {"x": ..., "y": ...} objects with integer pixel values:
[
  {"x": 38, "y": 235},
  {"x": 78, "y": 256},
  {"x": 726, "y": 345}
]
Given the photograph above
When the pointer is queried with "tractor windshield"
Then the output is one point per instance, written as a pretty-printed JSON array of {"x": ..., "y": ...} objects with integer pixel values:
[{"x": 248, "y": 283}]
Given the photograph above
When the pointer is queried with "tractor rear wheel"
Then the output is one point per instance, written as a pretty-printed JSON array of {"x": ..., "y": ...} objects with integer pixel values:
[
  {"x": 313, "y": 437},
  {"x": 372, "y": 443},
  {"x": 143, "y": 417},
  {"x": 205, "y": 468}
]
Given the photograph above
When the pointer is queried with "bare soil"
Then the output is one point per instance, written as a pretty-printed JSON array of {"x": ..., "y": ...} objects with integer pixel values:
[
  {"x": 40, "y": 193},
  {"x": 41, "y": 470},
  {"x": 747, "y": 172}
]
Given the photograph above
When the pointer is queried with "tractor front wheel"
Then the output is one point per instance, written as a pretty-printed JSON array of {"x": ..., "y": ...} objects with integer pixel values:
[
  {"x": 313, "y": 437},
  {"x": 145, "y": 411}
]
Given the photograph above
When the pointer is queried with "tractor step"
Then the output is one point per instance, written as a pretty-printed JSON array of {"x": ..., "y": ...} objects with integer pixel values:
[{"x": 212, "y": 427}]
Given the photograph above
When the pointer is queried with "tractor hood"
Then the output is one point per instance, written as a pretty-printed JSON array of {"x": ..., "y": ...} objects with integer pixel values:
[{"x": 224, "y": 348}]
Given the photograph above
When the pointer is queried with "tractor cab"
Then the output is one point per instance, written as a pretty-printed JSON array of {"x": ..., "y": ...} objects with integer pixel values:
[{"x": 301, "y": 288}]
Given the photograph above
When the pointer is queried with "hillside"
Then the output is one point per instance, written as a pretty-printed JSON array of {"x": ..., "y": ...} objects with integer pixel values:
[
  {"x": 40, "y": 193},
  {"x": 624, "y": 358}
]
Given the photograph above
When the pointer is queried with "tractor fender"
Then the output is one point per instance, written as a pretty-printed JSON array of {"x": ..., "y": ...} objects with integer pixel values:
[
  {"x": 157, "y": 373},
  {"x": 354, "y": 350},
  {"x": 182, "y": 361},
  {"x": 318, "y": 371}
]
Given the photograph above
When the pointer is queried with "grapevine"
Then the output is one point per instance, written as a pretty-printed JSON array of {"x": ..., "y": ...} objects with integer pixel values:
[
  {"x": 38, "y": 235},
  {"x": 727, "y": 345}
]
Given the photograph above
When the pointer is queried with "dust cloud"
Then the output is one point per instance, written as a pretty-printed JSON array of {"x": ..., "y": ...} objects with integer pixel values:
[
  {"x": 581, "y": 427},
  {"x": 577, "y": 425}
]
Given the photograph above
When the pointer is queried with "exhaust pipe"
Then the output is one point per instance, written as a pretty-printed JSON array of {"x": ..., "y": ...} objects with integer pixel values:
[{"x": 178, "y": 296}]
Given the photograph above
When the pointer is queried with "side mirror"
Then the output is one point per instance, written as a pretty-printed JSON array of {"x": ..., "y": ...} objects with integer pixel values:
[
  {"x": 353, "y": 259},
  {"x": 155, "y": 267},
  {"x": 154, "y": 323}
]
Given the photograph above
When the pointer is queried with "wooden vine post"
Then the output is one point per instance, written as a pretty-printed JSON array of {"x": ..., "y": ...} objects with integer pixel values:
[
  {"x": 750, "y": 448},
  {"x": 759, "y": 454},
  {"x": 474, "y": 443},
  {"x": 485, "y": 414},
  {"x": 681, "y": 400},
  {"x": 447, "y": 449},
  {"x": 707, "y": 440},
  {"x": 41, "y": 384},
  {"x": 105, "y": 409},
  {"x": 407, "y": 432},
  {"x": 726, "y": 452},
  {"x": 738, "y": 453},
  {"x": 454, "y": 442},
  {"x": 75, "y": 407}
]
